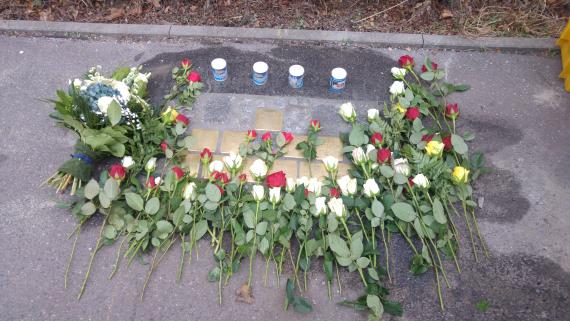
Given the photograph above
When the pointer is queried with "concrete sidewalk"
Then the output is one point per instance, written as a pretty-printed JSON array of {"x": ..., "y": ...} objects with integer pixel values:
[{"x": 517, "y": 108}]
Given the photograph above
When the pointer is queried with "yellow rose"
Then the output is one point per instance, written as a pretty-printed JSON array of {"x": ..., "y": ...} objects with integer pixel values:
[
  {"x": 460, "y": 175},
  {"x": 434, "y": 148},
  {"x": 169, "y": 115},
  {"x": 400, "y": 108}
]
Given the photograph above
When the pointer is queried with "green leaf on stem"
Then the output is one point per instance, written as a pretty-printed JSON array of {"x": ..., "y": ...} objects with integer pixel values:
[
  {"x": 213, "y": 193},
  {"x": 373, "y": 302},
  {"x": 134, "y": 201},
  {"x": 377, "y": 208},
  {"x": 438, "y": 212},
  {"x": 112, "y": 189},
  {"x": 152, "y": 206},
  {"x": 114, "y": 112},
  {"x": 404, "y": 211},
  {"x": 88, "y": 209},
  {"x": 91, "y": 189},
  {"x": 459, "y": 144},
  {"x": 338, "y": 245}
]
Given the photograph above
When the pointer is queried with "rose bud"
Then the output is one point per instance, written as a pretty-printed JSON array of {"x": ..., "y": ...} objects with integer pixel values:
[
  {"x": 183, "y": 119},
  {"x": 433, "y": 67},
  {"x": 406, "y": 61},
  {"x": 412, "y": 113},
  {"x": 334, "y": 192},
  {"x": 164, "y": 146},
  {"x": 242, "y": 178},
  {"x": 178, "y": 172},
  {"x": 194, "y": 76},
  {"x": 117, "y": 171},
  {"x": 411, "y": 181},
  {"x": 266, "y": 137},
  {"x": 223, "y": 177},
  {"x": 451, "y": 111},
  {"x": 251, "y": 135},
  {"x": 315, "y": 125},
  {"x": 447, "y": 143},
  {"x": 276, "y": 179},
  {"x": 186, "y": 63},
  {"x": 376, "y": 139},
  {"x": 206, "y": 156},
  {"x": 150, "y": 184},
  {"x": 427, "y": 138},
  {"x": 288, "y": 137},
  {"x": 383, "y": 155}
]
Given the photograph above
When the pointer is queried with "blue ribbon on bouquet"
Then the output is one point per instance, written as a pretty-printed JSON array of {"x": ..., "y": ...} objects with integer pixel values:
[{"x": 82, "y": 157}]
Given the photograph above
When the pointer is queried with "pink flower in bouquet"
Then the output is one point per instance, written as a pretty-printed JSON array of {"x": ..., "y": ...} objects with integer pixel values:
[
  {"x": 266, "y": 137},
  {"x": 117, "y": 171},
  {"x": 183, "y": 119},
  {"x": 194, "y": 76},
  {"x": 251, "y": 135},
  {"x": 412, "y": 113},
  {"x": 178, "y": 172},
  {"x": 288, "y": 137},
  {"x": 406, "y": 61}
]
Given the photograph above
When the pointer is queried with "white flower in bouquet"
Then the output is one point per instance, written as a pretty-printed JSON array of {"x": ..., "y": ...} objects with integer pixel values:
[
  {"x": 421, "y": 181},
  {"x": 233, "y": 162},
  {"x": 258, "y": 192},
  {"x": 331, "y": 164},
  {"x": 347, "y": 112},
  {"x": 291, "y": 185},
  {"x": 275, "y": 195},
  {"x": 359, "y": 156},
  {"x": 398, "y": 73},
  {"x": 373, "y": 114},
  {"x": 315, "y": 186},
  {"x": 337, "y": 206},
  {"x": 369, "y": 149},
  {"x": 321, "y": 205},
  {"x": 371, "y": 188},
  {"x": 150, "y": 165},
  {"x": 397, "y": 88},
  {"x": 77, "y": 83},
  {"x": 122, "y": 88},
  {"x": 258, "y": 169},
  {"x": 303, "y": 180},
  {"x": 401, "y": 166},
  {"x": 347, "y": 185},
  {"x": 190, "y": 191},
  {"x": 157, "y": 181},
  {"x": 104, "y": 102},
  {"x": 216, "y": 166},
  {"x": 127, "y": 162}
]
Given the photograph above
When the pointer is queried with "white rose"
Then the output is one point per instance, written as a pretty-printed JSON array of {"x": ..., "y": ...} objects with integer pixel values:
[
  {"x": 157, "y": 181},
  {"x": 104, "y": 102},
  {"x": 352, "y": 184},
  {"x": 371, "y": 189},
  {"x": 291, "y": 185},
  {"x": 233, "y": 162},
  {"x": 77, "y": 83},
  {"x": 337, "y": 206},
  {"x": 359, "y": 156},
  {"x": 401, "y": 166},
  {"x": 397, "y": 88},
  {"x": 123, "y": 90},
  {"x": 398, "y": 73},
  {"x": 304, "y": 180},
  {"x": 373, "y": 114},
  {"x": 258, "y": 169},
  {"x": 321, "y": 206},
  {"x": 347, "y": 112},
  {"x": 258, "y": 193},
  {"x": 315, "y": 186},
  {"x": 275, "y": 195},
  {"x": 421, "y": 180},
  {"x": 127, "y": 162},
  {"x": 216, "y": 166},
  {"x": 190, "y": 191},
  {"x": 347, "y": 185},
  {"x": 150, "y": 164},
  {"x": 331, "y": 164}
]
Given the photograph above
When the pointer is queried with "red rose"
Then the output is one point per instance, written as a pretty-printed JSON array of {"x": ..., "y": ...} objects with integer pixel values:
[
  {"x": 427, "y": 138},
  {"x": 433, "y": 67},
  {"x": 410, "y": 181},
  {"x": 412, "y": 113},
  {"x": 164, "y": 146},
  {"x": 194, "y": 76},
  {"x": 183, "y": 119},
  {"x": 186, "y": 63},
  {"x": 447, "y": 143},
  {"x": 206, "y": 155},
  {"x": 333, "y": 192},
  {"x": 376, "y": 139},
  {"x": 151, "y": 183},
  {"x": 243, "y": 178},
  {"x": 251, "y": 135},
  {"x": 178, "y": 172},
  {"x": 406, "y": 61},
  {"x": 266, "y": 137},
  {"x": 221, "y": 189},
  {"x": 383, "y": 155},
  {"x": 451, "y": 111},
  {"x": 306, "y": 192},
  {"x": 315, "y": 125},
  {"x": 288, "y": 137},
  {"x": 117, "y": 171},
  {"x": 222, "y": 177},
  {"x": 276, "y": 179}
]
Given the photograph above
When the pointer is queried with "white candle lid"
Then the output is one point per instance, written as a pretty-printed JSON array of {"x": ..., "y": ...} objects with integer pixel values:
[
  {"x": 338, "y": 73},
  {"x": 260, "y": 67},
  {"x": 296, "y": 70},
  {"x": 218, "y": 64}
]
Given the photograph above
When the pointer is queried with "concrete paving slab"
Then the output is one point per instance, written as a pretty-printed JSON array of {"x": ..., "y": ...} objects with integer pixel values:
[{"x": 516, "y": 107}]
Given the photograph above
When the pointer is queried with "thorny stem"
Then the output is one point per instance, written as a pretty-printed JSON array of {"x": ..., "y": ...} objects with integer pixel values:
[
  {"x": 253, "y": 249},
  {"x": 387, "y": 252},
  {"x": 150, "y": 270},
  {"x": 296, "y": 276},
  {"x": 78, "y": 231},
  {"x": 182, "y": 256},
  {"x": 481, "y": 239},
  {"x": 117, "y": 259},
  {"x": 470, "y": 231},
  {"x": 95, "y": 250}
]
